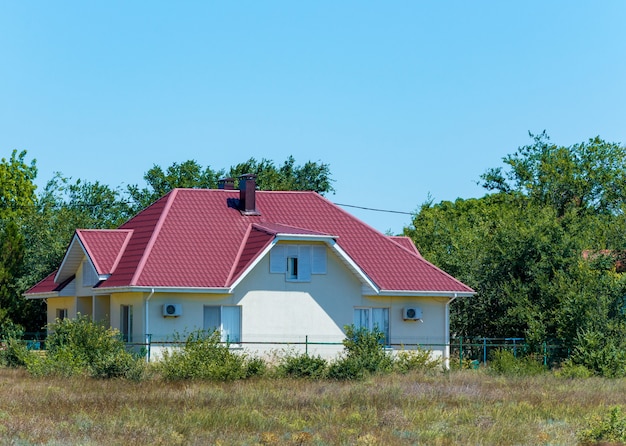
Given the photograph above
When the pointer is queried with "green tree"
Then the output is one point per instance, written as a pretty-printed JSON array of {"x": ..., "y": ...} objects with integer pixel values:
[
  {"x": 187, "y": 174},
  {"x": 589, "y": 176},
  {"x": 311, "y": 176},
  {"x": 523, "y": 248},
  {"x": 17, "y": 207}
]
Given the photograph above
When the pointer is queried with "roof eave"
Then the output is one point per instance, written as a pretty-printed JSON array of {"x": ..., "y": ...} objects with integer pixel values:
[
  {"x": 426, "y": 293},
  {"x": 163, "y": 289}
]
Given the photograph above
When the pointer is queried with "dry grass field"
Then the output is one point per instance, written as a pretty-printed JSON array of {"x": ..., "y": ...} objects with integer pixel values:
[{"x": 464, "y": 407}]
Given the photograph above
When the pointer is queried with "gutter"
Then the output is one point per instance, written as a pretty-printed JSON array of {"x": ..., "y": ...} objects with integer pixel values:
[
  {"x": 147, "y": 308},
  {"x": 447, "y": 331}
]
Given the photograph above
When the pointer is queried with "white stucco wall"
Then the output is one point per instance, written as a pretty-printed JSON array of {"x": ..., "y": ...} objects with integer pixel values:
[{"x": 276, "y": 314}]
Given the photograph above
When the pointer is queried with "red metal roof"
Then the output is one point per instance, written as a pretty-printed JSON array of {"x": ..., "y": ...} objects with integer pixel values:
[
  {"x": 198, "y": 238},
  {"x": 104, "y": 247}
]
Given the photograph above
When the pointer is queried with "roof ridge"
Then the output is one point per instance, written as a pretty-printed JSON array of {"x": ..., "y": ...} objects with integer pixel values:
[
  {"x": 153, "y": 237},
  {"x": 122, "y": 249},
  {"x": 87, "y": 249},
  {"x": 242, "y": 246}
]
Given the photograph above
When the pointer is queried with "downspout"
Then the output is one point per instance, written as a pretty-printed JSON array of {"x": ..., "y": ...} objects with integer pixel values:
[
  {"x": 447, "y": 332},
  {"x": 148, "y": 335}
]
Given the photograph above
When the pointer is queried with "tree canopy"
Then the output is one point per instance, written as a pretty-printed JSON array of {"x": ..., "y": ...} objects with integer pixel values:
[
  {"x": 311, "y": 176},
  {"x": 541, "y": 250}
]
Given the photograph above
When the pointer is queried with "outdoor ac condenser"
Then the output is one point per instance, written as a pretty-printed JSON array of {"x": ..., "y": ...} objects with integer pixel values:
[
  {"x": 412, "y": 314},
  {"x": 172, "y": 310}
]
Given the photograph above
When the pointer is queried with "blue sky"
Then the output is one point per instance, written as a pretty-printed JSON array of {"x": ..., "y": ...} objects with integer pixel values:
[{"x": 404, "y": 99}]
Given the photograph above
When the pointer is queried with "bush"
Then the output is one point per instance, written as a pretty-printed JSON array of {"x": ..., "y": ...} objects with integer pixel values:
[
  {"x": 504, "y": 362},
  {"x": 419, "y": 359},
  {"x": 81, "y": 347},
  {"x": 364, "y": 353},
  {"x": 255, "y": 367},
  {"x": 600, "y": 353},
  {"x": 302, "y": 366},
  {"x": 574, "y": 371},
  {"x": 204, "y": 356},
  {"x": 609, "y": 430},
  {"x": 346, "y": 368},
  {"x": 13, "y": 353}
]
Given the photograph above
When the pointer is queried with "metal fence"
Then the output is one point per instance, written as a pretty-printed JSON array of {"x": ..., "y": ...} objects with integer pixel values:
[{"x": 465, "y": 351}]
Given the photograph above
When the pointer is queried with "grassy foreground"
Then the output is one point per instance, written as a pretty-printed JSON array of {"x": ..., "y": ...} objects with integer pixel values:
[{"x": 464, "y": 407}]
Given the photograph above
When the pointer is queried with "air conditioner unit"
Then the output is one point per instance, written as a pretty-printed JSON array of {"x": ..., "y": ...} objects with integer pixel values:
[
  {"x": 172, "y": 310},
  {"x": 412, "y": 314}
]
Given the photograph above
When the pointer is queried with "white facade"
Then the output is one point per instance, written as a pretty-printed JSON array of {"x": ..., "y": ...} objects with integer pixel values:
[{"x": 275, "y": 309}]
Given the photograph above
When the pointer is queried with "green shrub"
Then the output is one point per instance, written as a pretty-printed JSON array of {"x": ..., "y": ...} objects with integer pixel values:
[
  {"x": 204, "y": 356},
  {"x": 504, "y": 362},
  {"x": 418, "y": 359},
  {"x": 302, "y": 366},
  {"x": 255, "y": 367},
  {"x": 366, "y": 347},
  {"x": 600, "y": 353},
  {"x": 364, "y": 353},
  {"x": 574, "y": 371},
  {"x": 346, "y": 369},
  {"x": 81, "y": 347},
  {"x": 13, "y": 353},
  {"x": 610, "y": 429}
]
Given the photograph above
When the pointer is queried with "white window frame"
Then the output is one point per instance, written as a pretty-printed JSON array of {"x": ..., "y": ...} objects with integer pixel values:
[
  {"x": 370, "y": 323},
  {"x": 61, "y": 313},
  {"x": 126, "y": 323},
  {"x": 224, "y": 335},
  {"x": 298, "y": 262}
]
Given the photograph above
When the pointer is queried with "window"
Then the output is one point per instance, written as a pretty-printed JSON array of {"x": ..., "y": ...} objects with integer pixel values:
[
  {"x": 298, "y": 262},
  {"x": 225, "y": 319},
  {"x": 292, "y": 268},
  {"x": 371, "y": 318},
  {"x": 61, "y": 313},
  {"x": 126, "y": 322}
]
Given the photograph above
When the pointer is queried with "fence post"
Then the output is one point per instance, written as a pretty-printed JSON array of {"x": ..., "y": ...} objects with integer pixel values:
[
  {"x": 460, "y": 352},
  {"x": 306, "y": 345},
  {"x": 484, "y": 350},
  {"x": 545, "y": 354},
  {"x": 148, "y": 345}
]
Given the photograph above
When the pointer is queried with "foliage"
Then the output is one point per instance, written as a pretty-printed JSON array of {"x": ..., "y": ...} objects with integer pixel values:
[
  {"x": 420, "y": 359},
  {"x": 302, "y": 366},
  {"x": 573, "y": 371},
  {"x": 504, "y": 362},
  {"x": 311, "y": 176},
  {"x": 81, "y": 347},
  {"x": 189, "y": 174},
  {"x": 610, "y": 429},
  {"x": 364, "y": 353},
  {"x": 588, "y": 176},
  {"x": 204, "y": 356},
  {"x": 601, "y": 352},
  {"x": 13, "y": 353},
  {"x": 542, "y": 251}
]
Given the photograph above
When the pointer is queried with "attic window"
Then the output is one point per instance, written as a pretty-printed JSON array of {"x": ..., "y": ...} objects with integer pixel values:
[
  {"x": 292, "y": 268},
  {"x": 298, "y": 262}
]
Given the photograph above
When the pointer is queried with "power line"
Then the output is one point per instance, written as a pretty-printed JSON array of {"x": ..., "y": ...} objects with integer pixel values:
[{"x": 374, "y": 209}]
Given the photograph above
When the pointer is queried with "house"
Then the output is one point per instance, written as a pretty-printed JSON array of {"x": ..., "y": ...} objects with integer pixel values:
[{"x": 266, "y": 268}]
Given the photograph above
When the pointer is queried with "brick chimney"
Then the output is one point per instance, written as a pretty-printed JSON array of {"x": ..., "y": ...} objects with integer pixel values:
[
  {"x": 226, "y": 183},
  {"x": 247, "y": 194}
]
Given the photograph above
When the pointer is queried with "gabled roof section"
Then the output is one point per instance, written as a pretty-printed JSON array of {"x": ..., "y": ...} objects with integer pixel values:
[
  {"x": 104, "y": 247},
  {"x": 256, "y": 240},
  {"x": 197, "y": 238}
]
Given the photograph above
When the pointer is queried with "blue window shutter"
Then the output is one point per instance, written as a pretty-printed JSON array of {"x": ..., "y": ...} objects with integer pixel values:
[{"x": 278, "y": 263}]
